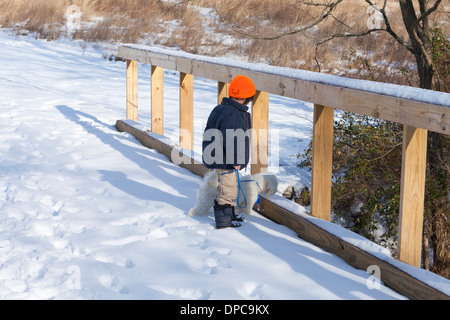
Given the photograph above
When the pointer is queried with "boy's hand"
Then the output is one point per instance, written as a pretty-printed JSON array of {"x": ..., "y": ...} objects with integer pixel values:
[{"x": 237, "y": 167}]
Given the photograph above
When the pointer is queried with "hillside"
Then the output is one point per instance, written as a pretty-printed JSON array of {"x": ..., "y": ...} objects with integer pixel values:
[
  {"x": 249, "y": 31},
  {"x": 89, "y": 213}
]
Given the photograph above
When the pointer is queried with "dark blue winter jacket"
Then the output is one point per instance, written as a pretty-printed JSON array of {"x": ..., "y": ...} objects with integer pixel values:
[{"x": 226, "y": 141}]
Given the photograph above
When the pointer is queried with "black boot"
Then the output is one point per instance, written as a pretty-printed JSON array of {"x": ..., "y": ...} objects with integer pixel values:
[
  {"x": 223, "y": 215},
  {"x": 240, "y": 217}
]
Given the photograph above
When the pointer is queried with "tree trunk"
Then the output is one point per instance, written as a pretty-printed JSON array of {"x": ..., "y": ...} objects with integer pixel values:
[
  {"x": 441, "y": 246},
  {"x": 425, "y": 71},
  {"x": 419, "y": 36},
  {"x": 425, "y": 253},
  {"x": 418, "y": 33},
  {"x": 439, "y": 206}
]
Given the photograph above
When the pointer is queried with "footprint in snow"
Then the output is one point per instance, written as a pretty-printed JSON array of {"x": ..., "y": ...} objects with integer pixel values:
[
  {"x": 184, "y": 293},
  {"x": 105, "y": 258},
  {"x": 251, "y": 290},
  {"x": 113, "y": 283}
]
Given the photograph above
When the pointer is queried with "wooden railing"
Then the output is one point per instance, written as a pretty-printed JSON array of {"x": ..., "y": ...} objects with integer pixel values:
[{"x": 408, "y": 106}]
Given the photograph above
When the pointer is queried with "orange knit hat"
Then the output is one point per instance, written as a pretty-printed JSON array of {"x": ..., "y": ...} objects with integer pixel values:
[{"x": 241, "y": 87}]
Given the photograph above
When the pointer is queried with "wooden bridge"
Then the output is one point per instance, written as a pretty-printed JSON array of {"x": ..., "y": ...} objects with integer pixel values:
[{"x": 412, "y": 109}]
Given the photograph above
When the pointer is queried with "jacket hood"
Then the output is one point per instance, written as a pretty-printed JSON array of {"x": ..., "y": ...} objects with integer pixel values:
[{"x": 234, "y": 103}]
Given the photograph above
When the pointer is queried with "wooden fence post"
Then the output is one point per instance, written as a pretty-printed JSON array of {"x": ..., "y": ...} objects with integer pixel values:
[
  {"x": 222, "y": 91},
  {"x": 412, "y": 195},
  {"x": 157, "y": 100},
  {"x": 186, "y": 110},
  {"x": 322, "y": 162},
  {"x": 260, "y": 132},
  {"x": 132, "y": 90}
]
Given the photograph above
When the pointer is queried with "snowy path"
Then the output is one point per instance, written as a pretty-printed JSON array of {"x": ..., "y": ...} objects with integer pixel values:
[{"x": 87, "y": 212}]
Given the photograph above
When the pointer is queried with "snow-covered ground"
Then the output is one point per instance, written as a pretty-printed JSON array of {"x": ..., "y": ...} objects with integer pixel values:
[{"x": 87, "y": 212}]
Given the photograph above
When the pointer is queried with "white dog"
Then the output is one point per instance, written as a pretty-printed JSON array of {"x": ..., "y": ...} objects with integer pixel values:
[{"x": 251, "y": 186}]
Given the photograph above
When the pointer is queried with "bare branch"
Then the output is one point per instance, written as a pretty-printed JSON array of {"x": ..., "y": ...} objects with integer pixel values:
[
  {"x": 388, "y": 28},
  {"x": 426, "y": 13},
  {"x": 422, "y": 17},
  {"x": 315, "y": 4},
  {"x": 341, "y": 22},
  {"x": 386, "y": 153},
  {"x": 326, "y": 13},
  {"x": 340, "y": 35}
]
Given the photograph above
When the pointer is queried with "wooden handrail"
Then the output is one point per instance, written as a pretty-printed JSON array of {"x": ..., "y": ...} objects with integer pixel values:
[
  {"x": 417, "y": 109},
  {"x": 295, "y": 84}
]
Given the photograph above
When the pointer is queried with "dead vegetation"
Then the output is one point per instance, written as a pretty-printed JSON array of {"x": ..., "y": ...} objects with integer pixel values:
[{"x": 236, "y": 28}]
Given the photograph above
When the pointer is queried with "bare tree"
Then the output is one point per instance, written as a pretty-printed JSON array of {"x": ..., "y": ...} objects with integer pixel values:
[{"x": 416, "y": 26}]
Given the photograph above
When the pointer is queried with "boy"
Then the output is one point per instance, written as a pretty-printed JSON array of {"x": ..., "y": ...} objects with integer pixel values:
[{"x": 226, "y": 147}]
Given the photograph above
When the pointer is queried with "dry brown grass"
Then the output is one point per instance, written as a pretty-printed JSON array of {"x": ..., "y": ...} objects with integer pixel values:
[
  {"x": 179, "y": 24},
  {"x": 377, "y": 56},
  {"x": 120, "y": 20}
]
